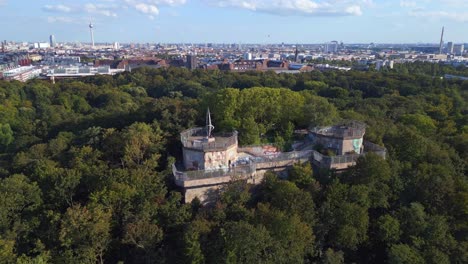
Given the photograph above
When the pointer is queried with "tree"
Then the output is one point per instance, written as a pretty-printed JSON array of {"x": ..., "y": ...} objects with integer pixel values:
[
  {"x": 424, "y": 124},
  {"x": 333, "y": 257},
  {"x": 7, "y": 254},
  {"x": 286, "y": 196},
  {"x": 413, "y": 220},
  {"x": 192, "y": 248},
  {"x": 388, "y": 229},
  {"x": 6, "y": 135},
  {"x": 84, "y": 234},
  {"x": 250, "y": 131},
  {"x": 144, "y": 235},
  {"x": 245, "y": 243},
  {"x": 404, "y": 254},
  {"x": 344, "y": 217},
  {"x": 142, "y": 143},
  {"x": 374, "y": 172},
  {"x": 301, "y": 175},
  {"x": 19, "y": 201},
  {"x": 317, "y": 111},
  {"x": 294, "y": 237},
  {"x": 350, "y": 231}
]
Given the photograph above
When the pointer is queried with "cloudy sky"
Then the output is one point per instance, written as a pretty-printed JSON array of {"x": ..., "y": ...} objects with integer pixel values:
[{"x": 235, "y": 21}]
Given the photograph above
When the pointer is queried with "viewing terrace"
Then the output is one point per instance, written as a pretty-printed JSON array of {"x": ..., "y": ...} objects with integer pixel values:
[
  {"x": 189, "y": 178},
  {"x": 196, "y": 138},
  {"x": 343, "y": 161},
  {"x": 348, "y": 130}
]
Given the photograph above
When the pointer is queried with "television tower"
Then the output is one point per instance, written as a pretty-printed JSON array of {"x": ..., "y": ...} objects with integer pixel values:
[
  {"x": 91, "y": 26},
  {"x": 441, "y": 41}
]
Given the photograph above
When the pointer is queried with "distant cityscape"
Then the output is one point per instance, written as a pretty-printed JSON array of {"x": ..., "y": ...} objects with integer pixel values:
[{"x": 54, "y": 59}]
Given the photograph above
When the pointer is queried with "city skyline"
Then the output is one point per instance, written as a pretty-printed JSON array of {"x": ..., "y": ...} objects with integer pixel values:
[{"x": 232, "y": 21}]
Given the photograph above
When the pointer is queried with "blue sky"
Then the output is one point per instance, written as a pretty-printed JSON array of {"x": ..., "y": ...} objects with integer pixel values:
[{"x": 235, "y": 21}]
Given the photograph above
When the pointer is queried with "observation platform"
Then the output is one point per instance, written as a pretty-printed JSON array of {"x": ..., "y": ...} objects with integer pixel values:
[
  {"x": 209, "y": 162},
  {"x": 197, "y": 139},
  {"x": 346, "y": 130}
]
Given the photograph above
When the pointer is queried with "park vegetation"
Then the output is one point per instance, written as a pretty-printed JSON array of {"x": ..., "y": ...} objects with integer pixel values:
[{"x": 85, "y": 169}]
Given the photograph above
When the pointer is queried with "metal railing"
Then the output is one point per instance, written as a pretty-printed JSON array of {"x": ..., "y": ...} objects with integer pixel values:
[
  {"x": 224, "y": 140},
  {"x": 328, "y": 161},
  {"x": 350, "y": 129},
  {"x": 237, "y": 171},
  {"x": 293, "y": 155},
  {"x": 371, "y": 147}
]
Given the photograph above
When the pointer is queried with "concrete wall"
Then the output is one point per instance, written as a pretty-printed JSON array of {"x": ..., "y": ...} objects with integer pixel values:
[
  {"x": 207, "y": 189},
  {"x": 343, "y": 146},
  {"x": 329, "y": 142},
  {"x": 193, "y": 159},
  {"x": 352, "y": 145},
  {"x": 342, "y": 166},
  {"x": 220, "y": 159},
  {"x": 212, "y": 160},
  {"x": 260, "y": 150},
  {"x": 204, "y": 194},
  {"x": 208, "y": 193}
]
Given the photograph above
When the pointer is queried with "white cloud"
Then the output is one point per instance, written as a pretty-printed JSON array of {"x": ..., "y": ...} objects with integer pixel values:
[
  {"x": 57, "y": 8},
  {"x": 455, "y": 3},
  {"x": 354, "y": 10},
  {"x": 299, "y": 7},
  {"x": 456, "y": 16},
  {"x": 60, "y": 20},
  {"x": 404, "y": 3},
  {"x": 100, "y": 10},
  {"x": 168, "y": 2},
  {"x": 147, "y": 9}
]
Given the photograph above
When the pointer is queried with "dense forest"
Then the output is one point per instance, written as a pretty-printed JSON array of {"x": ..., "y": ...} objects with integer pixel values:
[{"x": 85, "y": 178}]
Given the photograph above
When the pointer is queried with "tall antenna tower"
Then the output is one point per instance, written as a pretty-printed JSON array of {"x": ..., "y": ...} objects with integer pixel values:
[
  {"x": 91, "y": 26},
  {"x": 441, "y": 41}
]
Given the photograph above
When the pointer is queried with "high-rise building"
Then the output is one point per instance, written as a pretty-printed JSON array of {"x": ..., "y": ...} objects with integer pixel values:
[
  {"x": 331, "y": 47},
  {"x": 52, "y": 41},
  {"x": 459, "y": 49},
  {"x": 450, "y": 47},
  {"x": 192, "y": 62},
  {"x": 247, "y": 56}
]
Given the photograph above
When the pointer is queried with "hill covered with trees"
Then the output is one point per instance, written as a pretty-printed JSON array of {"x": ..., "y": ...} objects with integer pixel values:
[{"x": 85, "y": 178}]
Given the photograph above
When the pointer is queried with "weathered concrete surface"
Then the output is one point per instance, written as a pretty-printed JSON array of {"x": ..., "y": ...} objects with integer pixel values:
[
  {"x": 204, "y": 189},
  {"x": 206, "y": 181},
  {"x": 204, "y": 194},
  {"x": 220, "y": 159},
  {"x": 209, "y": 160},
  {"x": 279, "y": 164},
  {"x": 209, "y": 189}
]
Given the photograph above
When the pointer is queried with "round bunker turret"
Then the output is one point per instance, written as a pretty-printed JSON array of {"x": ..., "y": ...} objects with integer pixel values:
[{"x": 205, "y": 152}]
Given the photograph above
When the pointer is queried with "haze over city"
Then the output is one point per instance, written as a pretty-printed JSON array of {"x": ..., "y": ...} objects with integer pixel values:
[{"x": 235, "y": 21}]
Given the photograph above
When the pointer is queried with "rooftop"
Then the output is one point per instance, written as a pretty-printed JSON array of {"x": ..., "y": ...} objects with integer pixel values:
[
  {"x": 345, "y": 130},
  {"x": 196, "y": 138}
]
